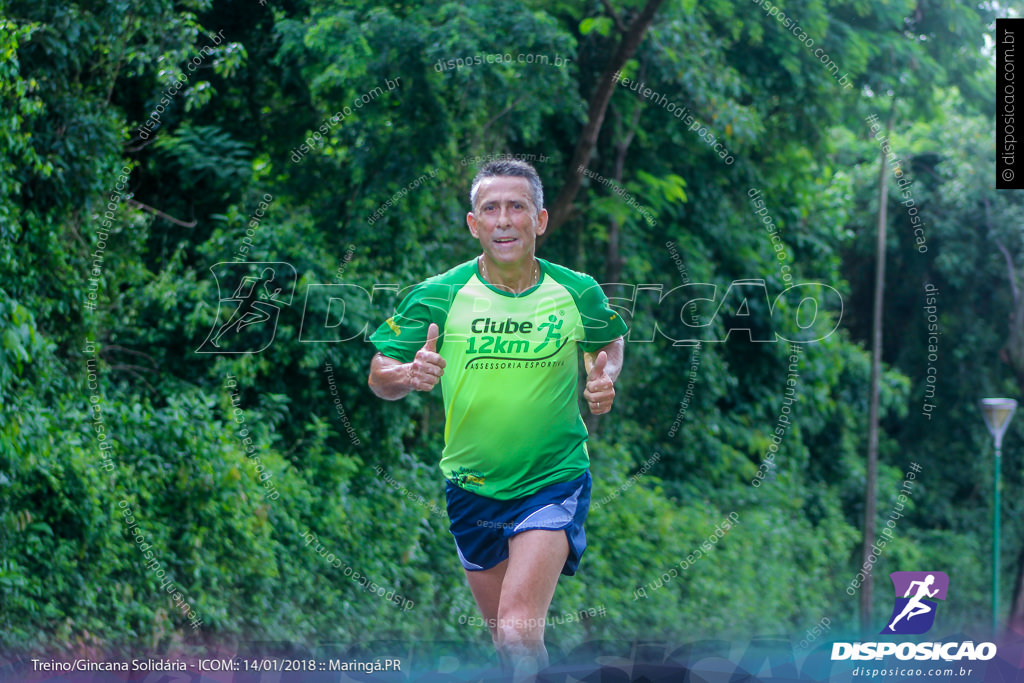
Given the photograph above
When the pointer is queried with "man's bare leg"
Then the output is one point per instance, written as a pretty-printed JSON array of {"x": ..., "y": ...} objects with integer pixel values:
[
  {"x": 523, "y": 585},
  {"x": 486, "y": 588}
]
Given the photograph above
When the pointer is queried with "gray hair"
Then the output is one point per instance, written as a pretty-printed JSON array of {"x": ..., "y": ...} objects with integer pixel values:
[{"x": 509, "y": 168}]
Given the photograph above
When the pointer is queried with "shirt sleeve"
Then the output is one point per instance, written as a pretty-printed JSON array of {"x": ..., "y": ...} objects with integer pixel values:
[
  {"x": 601, "y": 325},
  {"x": 405, "y": 333}
]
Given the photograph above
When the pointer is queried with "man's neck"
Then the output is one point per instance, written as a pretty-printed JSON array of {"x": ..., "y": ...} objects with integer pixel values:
[{"x": 513, "y": 278}]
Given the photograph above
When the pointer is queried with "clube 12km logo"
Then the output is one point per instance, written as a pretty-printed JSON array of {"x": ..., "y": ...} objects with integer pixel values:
[{"x": 917, "y": 596}]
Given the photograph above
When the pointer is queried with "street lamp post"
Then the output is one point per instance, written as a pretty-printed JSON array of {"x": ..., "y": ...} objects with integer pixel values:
[{"x": 997, "y": 413}]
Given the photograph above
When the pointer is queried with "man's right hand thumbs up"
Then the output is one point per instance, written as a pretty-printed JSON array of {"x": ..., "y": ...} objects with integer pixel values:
[
  {"x": 431, "y": 344},
  {"x": 428, "y": 366}
]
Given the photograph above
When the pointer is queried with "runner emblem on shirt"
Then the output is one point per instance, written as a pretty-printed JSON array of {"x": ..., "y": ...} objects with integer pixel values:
[{"x": 551, "y": 329}]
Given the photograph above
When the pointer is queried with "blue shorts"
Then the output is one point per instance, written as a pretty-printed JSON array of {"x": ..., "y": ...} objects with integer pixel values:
[{"x": 482, "y": 525}]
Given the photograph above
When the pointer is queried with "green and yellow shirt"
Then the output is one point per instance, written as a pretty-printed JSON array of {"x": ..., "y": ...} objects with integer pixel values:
[{"x": 512, "y": 422}]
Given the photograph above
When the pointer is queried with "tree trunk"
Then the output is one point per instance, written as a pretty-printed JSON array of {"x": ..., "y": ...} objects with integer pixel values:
[
  {"x": 631, "y": 38},
  {"x": 1016, "y": 619},
  {"x": 613, "y": 258},
  {"x": 1012, "y": 354},
  {"x": 871, "y": 485}
]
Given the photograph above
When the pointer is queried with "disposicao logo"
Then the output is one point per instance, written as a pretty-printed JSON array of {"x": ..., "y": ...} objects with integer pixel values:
[
  {"x": 916, "y": 592},
  {"x": 913, "y": 613}
]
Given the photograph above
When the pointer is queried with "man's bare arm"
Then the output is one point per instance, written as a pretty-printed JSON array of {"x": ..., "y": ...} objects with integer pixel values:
[
  {"x": 392, "y": 379},
  {"x": 389, "y": 378}
]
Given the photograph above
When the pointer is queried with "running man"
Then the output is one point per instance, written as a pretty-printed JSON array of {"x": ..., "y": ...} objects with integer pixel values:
[
  {"x": 501, "y": 333},
  {"x": 914, "y": 606}
]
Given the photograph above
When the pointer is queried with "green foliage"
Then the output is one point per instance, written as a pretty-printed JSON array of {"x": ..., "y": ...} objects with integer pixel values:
[
  {"x": 205, "y": 155},
  {"x": 359, "y": 475}
]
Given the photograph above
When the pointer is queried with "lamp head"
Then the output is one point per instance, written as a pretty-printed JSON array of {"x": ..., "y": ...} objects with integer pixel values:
[{"x": 997, "y": 413}]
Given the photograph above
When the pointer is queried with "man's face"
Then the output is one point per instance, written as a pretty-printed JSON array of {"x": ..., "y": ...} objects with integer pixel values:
[{"x": 505, "y": 220}]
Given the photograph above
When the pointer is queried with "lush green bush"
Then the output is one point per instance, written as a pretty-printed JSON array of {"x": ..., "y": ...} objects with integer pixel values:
[{"x": 259, "y": 549}]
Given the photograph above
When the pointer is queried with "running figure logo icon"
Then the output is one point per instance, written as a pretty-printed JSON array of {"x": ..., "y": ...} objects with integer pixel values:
[
  {"x": 252, "y": 308},
  {"x": 551, "y": 330},
  {"x": 916, "y": 593}
]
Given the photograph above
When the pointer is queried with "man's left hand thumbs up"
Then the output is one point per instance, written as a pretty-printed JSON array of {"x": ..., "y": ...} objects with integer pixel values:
[{"x": 600, "y": 391}]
